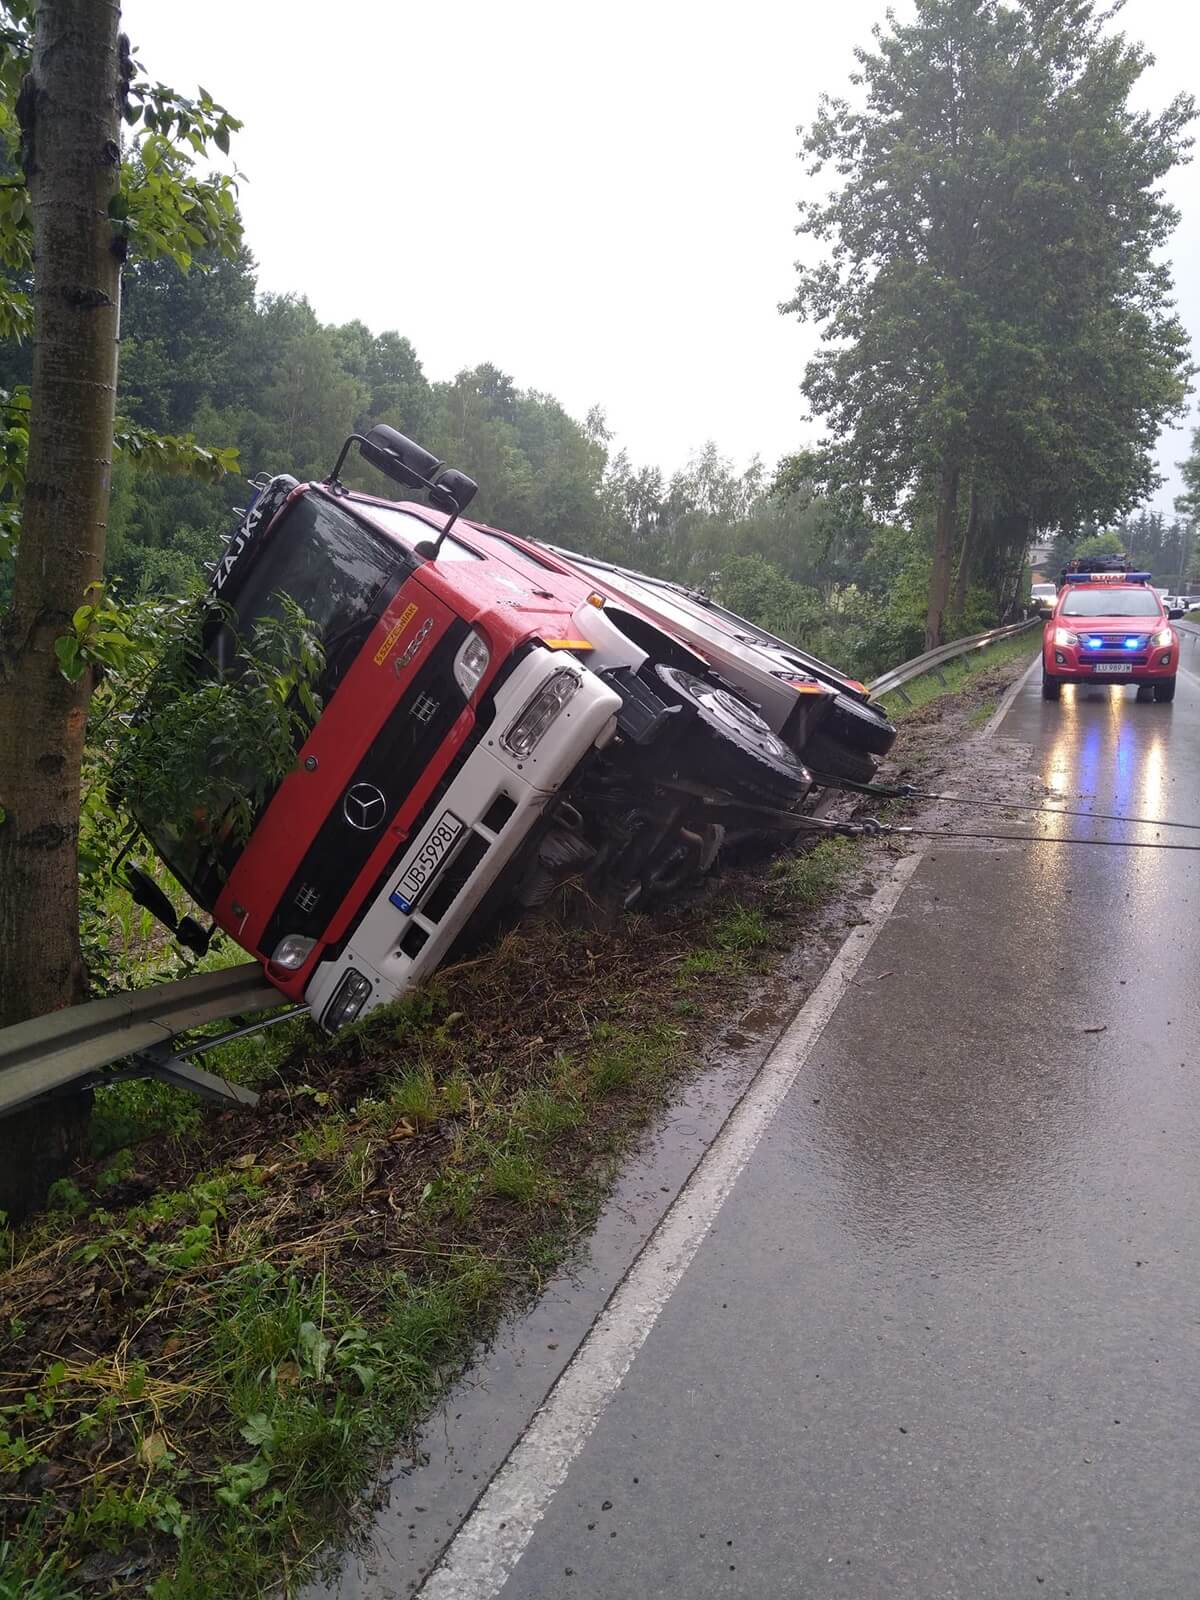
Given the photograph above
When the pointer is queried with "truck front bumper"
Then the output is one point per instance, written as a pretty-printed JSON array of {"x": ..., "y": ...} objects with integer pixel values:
[
  {"x": 1073, "y": 664},
  {"x": 471, "y": 836}
]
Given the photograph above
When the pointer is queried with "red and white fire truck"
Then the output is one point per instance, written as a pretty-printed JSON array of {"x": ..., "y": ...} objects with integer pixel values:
[{"x": 492, "y": 721}]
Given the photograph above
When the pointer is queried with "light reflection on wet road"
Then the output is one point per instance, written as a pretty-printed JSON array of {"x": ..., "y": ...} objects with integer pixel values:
[{"x": 944, "y": 1338}]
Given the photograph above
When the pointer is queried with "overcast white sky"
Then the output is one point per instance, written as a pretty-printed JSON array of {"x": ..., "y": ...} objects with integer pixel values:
[{"x": 599, "y": 199}]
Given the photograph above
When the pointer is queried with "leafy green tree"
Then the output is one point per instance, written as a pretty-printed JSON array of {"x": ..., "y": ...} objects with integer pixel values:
[
  {"x": 394, "y": 387},
  {"x": 1188, "y": 506},
  {"x": 1100, "y": 544},
  {"x": 996, "y": 315},
  {"x": 1188, "y": 503},
  {"x": 183, "y": 334},
  {"x": 67, "y": 79}
]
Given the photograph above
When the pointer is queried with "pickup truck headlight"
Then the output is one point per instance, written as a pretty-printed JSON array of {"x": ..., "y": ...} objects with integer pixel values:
[
  {"x": 470, "y": 664},
  {"x": 1162, "y": 639},
  {"x": 524, "y": 735},
  {"x": 1065, "y": 636}
]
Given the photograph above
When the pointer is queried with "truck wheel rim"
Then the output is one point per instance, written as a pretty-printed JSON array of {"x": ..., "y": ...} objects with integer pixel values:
[{"x": 731, "y": 712}]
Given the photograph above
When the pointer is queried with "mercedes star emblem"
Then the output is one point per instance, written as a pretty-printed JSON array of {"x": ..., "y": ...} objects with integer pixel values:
[{"x": 364, "y": 806}]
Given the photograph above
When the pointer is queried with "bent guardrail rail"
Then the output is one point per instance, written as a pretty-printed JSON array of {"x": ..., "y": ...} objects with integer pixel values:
[
  {"x": 893, "y": 682},
  {"x": 75, "y": 1045},
  {"x": 146, "y": 1028}
]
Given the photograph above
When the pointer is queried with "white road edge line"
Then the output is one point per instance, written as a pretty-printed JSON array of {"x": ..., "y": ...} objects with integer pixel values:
[
  {"x": 1009, "y": 695},
  {"x": 480, "y": 1558}
]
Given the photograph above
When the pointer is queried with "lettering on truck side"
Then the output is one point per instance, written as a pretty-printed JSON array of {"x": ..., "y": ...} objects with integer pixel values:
[
  {"x": 264, "y": 508},
  {"x": 410, "y": 650},
  {"x": 394, "y": 632}
]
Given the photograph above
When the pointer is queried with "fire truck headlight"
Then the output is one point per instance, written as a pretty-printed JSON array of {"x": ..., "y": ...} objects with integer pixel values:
[
  {"x": 348, "y": 1000},
  {"x": 530, "y": 727},
  {"x": 292, "y": 951},
  {"x": 470, "y": 664}
]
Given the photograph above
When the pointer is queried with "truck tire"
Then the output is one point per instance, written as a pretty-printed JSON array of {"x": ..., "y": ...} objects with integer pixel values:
[
  {"x": 1165, "y": 691},
  {"x": 725, "y": 741},
  {"x": 836, "y": 760},
  {"x": 861, "y": 725},
  {"x": 1051, "y": 687}
]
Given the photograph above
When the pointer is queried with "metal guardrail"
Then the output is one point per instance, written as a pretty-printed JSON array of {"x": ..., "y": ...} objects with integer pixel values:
[
  {"x": 145, "y": 1028},
  {"x": 893, "y": 682},
  {"x": 74, "y": 1046}
]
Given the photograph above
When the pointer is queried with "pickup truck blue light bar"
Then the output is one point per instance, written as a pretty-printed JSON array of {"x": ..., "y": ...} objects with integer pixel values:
[{"x": 1107, "y": 577}]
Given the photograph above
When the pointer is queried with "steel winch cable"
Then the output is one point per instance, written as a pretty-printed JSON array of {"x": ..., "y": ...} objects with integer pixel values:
[
  {"x": 906, "y": 791},
  {"x": 873, "y": 828},
  {"x": 884, "y": 828}
]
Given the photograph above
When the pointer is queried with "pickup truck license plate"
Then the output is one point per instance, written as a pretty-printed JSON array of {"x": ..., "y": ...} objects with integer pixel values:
[
  {"x": 422, "y": 869},
  {"x": 1114, "y": 666}
]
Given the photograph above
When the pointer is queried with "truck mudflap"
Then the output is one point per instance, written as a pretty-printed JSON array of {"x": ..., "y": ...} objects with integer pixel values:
[{"x": 476, "y": 830}]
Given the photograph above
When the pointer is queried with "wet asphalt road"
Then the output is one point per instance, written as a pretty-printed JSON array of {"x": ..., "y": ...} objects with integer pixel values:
[{"x": 943, "y": 1339}]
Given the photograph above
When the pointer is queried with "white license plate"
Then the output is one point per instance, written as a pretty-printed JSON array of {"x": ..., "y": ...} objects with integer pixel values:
[
  {"x": 424, "y": 864},
  {"x": 1114, "y": 666}
]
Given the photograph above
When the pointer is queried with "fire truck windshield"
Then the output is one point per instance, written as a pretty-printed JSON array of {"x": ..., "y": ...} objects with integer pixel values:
[
  {"x": 342, "y": 576},
  {"x": 336, "y": 570}
]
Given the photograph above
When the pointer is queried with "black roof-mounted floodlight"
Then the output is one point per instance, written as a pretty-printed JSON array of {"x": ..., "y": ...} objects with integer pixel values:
[{"x": 407, "y": 462}]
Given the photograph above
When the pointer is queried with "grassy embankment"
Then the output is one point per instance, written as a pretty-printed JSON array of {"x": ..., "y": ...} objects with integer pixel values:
[{"x": 228, "y": 1322}]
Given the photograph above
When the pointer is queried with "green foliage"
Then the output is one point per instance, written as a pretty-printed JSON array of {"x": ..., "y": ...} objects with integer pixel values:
[
  {"x": 208, "y": 749},
  {"x": 65, "y": 1195},
  {"x": 809, "y": 877},
  {"x": 996, "y": 313},
  {"x": 164, "y": 206},
  {"x": 1188, "y": 506},
  {"x": 1101, "y": 544},
  {"x": 1152, "y": 543},
  {"x": 741, "y": 929},
  {"x": 167, "y": 206},
  {"x": 958, "y": 673},
  {"x": 190, "y": 754},
  {"x": 516, "y": 1175}
]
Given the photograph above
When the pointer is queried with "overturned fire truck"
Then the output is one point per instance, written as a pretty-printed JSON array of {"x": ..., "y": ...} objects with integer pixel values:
[{"x": 495, "y": 717}]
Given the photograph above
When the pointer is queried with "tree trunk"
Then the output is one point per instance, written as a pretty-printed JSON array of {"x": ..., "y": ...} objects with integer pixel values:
[
  {"x": 71, "y": 117},
  {"x": 943, "y": 549},
  {"x": 966, "y": 560},
  {"x": 1014, "y": 534}
]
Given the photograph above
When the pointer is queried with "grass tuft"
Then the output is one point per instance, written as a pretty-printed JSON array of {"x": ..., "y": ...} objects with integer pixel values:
[
  {"x": 809, "y": 877},
  {"x": 741, "y": 930}
]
